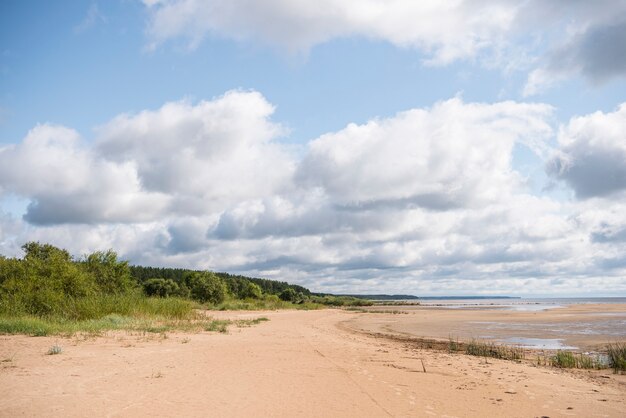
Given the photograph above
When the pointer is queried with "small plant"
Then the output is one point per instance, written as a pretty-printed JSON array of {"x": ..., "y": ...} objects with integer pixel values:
[
  {"x": 55, "y": 349},
  {"x": 617, "y": 356},
  {"x": 217, "y": 325},
  {"x": 453, "y": 346},
  {"x": 245, "y": 323},
  {"x": 185, "y": 340},
  {"x": 486, "y": 349},
  {"x": 569, "y": 360}
]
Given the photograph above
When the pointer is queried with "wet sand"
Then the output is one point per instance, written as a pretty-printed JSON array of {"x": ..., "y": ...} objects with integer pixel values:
[
  {"x": 587, "y": 327},
  {"x": 302, "y": 364}
]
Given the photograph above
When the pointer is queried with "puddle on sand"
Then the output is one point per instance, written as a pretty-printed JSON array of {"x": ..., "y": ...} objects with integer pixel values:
[{"x": 539, "y": 343}]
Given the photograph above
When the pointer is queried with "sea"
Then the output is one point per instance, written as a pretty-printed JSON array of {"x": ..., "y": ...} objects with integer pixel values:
[{"x": 518, "y": 304}]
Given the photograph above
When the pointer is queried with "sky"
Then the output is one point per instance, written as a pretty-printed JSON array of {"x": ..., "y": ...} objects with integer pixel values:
[{"x": 466, "y": 147}]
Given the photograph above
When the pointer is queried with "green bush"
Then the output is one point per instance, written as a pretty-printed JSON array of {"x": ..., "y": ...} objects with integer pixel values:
[
  {"x": 288, "y": 295},
  {"x": 161, "y": 287},
  {"x": 206, "y": 287},
  {"x": 111, "y": 275},
  {"x": 44, "y": 283},
  {"x": 250, "y": 291}
]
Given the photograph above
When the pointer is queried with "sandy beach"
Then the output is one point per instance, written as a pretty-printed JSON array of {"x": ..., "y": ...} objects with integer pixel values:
[{"x": 323, "y": 363}]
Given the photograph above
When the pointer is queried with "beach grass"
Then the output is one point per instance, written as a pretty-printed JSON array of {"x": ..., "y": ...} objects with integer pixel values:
[
  {"x": 453, "y": 345},
  {"x": 268, "y": 303},
  {"x": 617, "y": 356},
  {"x": 569, "y": 360},
  {"x": 35, "y": 326},
  {"x": 489, "y": 349}
]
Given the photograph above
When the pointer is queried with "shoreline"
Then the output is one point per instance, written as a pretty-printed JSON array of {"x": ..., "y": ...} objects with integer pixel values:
[{"x": 582, "y": 327}]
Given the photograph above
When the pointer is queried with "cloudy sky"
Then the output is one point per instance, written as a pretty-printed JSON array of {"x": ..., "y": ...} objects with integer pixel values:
[{"x": 371, "y": 146}]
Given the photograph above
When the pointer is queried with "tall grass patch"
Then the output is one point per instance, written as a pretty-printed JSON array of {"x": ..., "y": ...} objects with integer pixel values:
[
  {"x": 617, "y": 356},
  {"x": 569, "y": 360},
  {"x": 489, "y": 349}
]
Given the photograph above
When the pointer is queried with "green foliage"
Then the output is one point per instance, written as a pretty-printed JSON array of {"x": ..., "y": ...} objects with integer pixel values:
[
  {"x": 45, "y": 282},
  {"x": 161, "y": 288},
  {"x": 569, "y": 360},
  {"x": 288, "y": 295},
  {"x": 111, "y": 275},
  {"x": 44, "y": 252},
  {"x": 206, "y": 287},
  {"x": 330, "y": 300},
  {"x": 269, "y": 287},
  {"x": 251, "y": 291},
  {"x": 488, "y": 349},
  {"x": 617, "y": 356}
]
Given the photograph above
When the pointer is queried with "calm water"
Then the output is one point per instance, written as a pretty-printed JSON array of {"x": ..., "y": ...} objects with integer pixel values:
[{"x": 518, "y": 304}]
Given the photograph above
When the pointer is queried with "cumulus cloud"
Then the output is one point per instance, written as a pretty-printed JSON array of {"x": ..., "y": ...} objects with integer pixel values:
[
  {"x": 452, "y": 155},
  {"x": 445, "y": 30},
  {"x": 68, "y": 183},
  {"x": 598, "y": 54},
  {"x": 426, "y": 201},
  {"x": 592, "y": 154},
  {"x": 182, "y": 159},
  {"x": 575, "y": 38},
  {"x": 204, "y": 156}
]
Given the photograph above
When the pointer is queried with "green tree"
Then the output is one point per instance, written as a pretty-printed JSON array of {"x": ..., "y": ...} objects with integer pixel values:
[
  {"x": 288, "y": 295},
  {"x": 250, "y": 290},
  {"x": 161, "y": 287},
  {"x": 45, "y": 282},
  {"x": 206, "y": 287},
  {"x": 111, "y": 275}
]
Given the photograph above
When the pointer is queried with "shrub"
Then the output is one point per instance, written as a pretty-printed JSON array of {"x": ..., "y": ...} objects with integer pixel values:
[
  {"x": 44, "y": 283},
  {"x": 111, "y": 275},
  {"x": 161, "y": 287},
  {"x": 250, "y": 291},
  {"x": 288, "y": 295},
  {"x": 206, "y": 287}
]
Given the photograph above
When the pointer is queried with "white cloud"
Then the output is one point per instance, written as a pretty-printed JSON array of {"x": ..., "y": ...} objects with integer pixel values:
[
  {"x": 204, "y": 156},
  {"x": 560, "y": 38},
  {"x": 424, "y": 201},
  {"x": 446, "y": 30},
  {"x": 67, "y": 182},
  {"x": 452, "y": 155},
  {"x": 591, "y": 157}
]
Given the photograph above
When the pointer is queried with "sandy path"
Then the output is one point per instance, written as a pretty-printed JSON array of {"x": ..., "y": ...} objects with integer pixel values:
[{"x": 297, "y": 364}]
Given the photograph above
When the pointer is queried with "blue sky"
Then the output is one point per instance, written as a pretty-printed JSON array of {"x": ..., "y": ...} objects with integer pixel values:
[{"x": 291, "y": 89}]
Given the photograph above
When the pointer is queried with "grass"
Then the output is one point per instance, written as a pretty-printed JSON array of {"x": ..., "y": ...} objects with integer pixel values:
[
  {"x": 453, "y": 345},
  {"x": 34, "y": 326},
  {"x": 265, "y": 304},
  {"x": 489, "y": 349},
  {"x": 97, "y": 306},
  {"x": 569, "y": 360},
  {"x": 378, "y": 311},
  {"x": 617, "y": 356}
]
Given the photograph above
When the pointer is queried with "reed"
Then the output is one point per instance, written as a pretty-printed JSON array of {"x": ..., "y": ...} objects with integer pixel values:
[
  {"x": 617, "y": 356},
  {"x": 488, "y": 349}
]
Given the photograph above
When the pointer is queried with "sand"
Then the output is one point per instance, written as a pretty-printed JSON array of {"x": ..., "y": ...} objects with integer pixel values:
[{"x": 298, "y": 364}]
